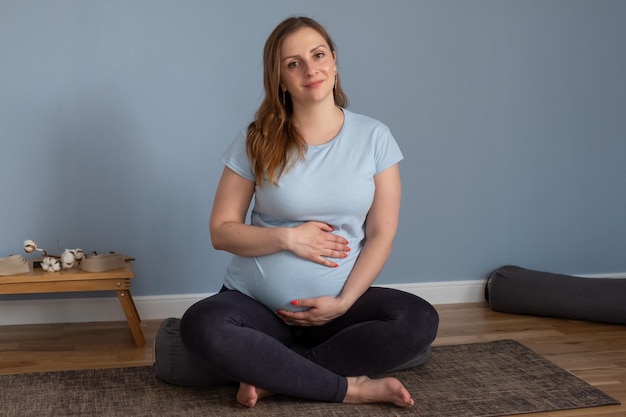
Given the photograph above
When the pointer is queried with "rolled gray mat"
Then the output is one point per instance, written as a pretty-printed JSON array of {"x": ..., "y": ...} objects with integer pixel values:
[{"x": 511, "y": 289}]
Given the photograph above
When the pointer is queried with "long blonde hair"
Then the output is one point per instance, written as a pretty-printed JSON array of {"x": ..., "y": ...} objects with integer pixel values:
[{"x": 273, "y": 142}]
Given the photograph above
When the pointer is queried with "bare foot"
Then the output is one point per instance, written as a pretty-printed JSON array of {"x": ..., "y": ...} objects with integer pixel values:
[
  {"x": 248, "y": 395},
  {"x": 363, "y": 390}
]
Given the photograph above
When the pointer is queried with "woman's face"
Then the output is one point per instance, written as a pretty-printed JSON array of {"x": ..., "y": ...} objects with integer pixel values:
[{"x": 307, "y": 67}]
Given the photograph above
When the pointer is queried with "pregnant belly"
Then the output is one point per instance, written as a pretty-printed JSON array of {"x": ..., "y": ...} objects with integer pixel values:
[{"x": 276, "y": 280}]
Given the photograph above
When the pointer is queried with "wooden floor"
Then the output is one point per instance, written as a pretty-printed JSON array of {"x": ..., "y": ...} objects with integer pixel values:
[{"x": 593, "y": 352}]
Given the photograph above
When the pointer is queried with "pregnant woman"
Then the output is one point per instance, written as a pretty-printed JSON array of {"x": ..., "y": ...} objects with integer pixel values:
[{"x": 326, "y": 189}]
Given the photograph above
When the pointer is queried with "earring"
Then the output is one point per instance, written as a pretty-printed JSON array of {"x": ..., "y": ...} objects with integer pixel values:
[{"x": 284, "y": 100}]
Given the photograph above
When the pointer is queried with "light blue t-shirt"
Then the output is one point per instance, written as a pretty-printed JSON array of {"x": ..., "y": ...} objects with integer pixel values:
[{"x": 334, "y": 184}]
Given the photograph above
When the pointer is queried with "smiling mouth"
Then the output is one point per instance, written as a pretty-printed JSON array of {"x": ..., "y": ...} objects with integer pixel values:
[{"x": 314, "y": 84}]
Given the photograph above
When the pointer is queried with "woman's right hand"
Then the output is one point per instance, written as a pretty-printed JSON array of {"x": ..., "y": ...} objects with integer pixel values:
[{"x": 315, "y": 242}]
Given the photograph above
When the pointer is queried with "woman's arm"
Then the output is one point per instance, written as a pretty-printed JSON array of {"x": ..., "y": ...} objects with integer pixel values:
[
  {"x": 380, "y": 230},
  {"x": 227, "y": 223},
  {"x": 229, "y": 231}
]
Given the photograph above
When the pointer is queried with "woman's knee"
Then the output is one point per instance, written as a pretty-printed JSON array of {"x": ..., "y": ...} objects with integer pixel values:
[
  {"x": 415, "y": 318},
  {"x": 199, "y": 326},
  {"x": 219, "y": 321},
  {"x": 422, "y": 316}
]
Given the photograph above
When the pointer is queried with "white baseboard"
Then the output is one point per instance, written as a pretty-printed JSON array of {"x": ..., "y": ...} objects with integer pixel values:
[
  {"x": 447, "y": 292},
  {"x": 80, "y": 310}
]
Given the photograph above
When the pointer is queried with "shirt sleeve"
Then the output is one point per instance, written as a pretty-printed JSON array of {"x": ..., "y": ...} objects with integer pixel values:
[
  {"x": 236, "y": 158},
  {"x": 387, "y": 152}
]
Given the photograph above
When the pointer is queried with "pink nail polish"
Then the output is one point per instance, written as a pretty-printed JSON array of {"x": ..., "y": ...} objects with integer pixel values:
[{"x": 295, "y": 302}]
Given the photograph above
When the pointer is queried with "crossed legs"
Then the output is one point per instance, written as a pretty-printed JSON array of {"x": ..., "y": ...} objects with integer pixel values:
[{"x": 244, "y": 341}]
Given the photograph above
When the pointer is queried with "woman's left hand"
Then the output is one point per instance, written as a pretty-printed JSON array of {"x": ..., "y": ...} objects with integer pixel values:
[{"x": 321, "y": 310}]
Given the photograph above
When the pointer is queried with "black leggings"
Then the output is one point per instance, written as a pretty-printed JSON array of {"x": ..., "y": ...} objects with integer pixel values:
[{"x": 244, "y": 341}]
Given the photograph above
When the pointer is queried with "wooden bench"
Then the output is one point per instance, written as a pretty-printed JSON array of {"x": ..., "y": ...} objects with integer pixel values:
[{"x": 75, "y": 280}]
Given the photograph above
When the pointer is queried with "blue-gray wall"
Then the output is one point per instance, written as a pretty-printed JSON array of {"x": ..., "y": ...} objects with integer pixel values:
[{"x": 511, "y": 115}]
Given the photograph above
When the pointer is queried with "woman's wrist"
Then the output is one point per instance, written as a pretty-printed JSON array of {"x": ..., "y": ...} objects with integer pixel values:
[
  {"x": 345, "y": 302},
  {"x": 284, "y": 237}
]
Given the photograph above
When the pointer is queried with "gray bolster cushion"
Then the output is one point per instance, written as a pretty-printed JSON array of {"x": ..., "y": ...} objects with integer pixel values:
[
  {"x": 174, "y": 364},
  {"x": 511, "y": 289}
]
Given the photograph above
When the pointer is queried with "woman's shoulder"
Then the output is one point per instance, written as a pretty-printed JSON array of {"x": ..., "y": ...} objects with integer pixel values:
[
  {"x": 372, "y": 135},
  {"x": 363, "y": 121},
  {"x": 356, "y": 122}
]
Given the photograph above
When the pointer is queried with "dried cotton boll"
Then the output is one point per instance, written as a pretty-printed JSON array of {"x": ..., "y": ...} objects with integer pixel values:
[
  {"x": 45, "y": 264},
  {"x": 50, "y": 264},
  {"x": 78, "y": 254},
  {"x": 30, "y": 246},
  {"x": 56, "y": 265},
  {"x": 68, "y": 259}
]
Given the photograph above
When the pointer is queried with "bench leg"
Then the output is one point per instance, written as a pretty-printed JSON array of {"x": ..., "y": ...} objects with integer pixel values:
[{"x": 128, "y": 305}]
